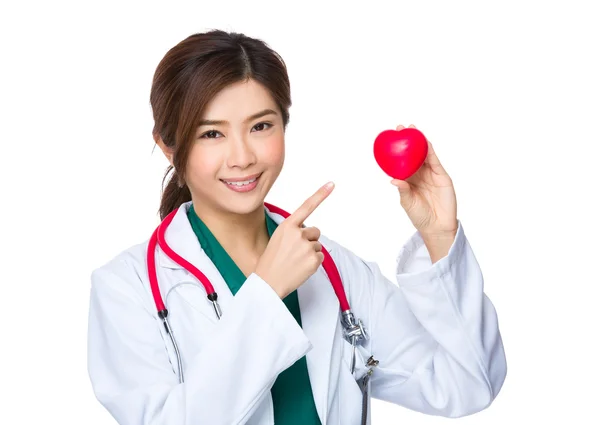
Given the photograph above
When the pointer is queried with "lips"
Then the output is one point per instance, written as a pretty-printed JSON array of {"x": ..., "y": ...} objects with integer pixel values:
[
  {"x": 242, "y": 181},
  {"x": 243, "y": 184}
]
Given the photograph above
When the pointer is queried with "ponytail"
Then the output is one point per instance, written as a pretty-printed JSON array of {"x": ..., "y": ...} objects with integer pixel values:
[{"x": 175, "y": 194}]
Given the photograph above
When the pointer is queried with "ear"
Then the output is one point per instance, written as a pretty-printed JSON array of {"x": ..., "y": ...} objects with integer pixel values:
[{"x": 167, "y": 151}]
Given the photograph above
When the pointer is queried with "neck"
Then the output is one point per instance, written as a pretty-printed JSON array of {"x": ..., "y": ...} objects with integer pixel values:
[{"x": 237, "y": 233}]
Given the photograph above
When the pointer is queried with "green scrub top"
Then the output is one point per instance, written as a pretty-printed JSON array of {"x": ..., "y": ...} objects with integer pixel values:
[{"x": 292, "y": 393}]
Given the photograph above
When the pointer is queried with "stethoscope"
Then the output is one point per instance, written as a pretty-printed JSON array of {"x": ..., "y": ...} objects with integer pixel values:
[{"x": 354, "y": 330}]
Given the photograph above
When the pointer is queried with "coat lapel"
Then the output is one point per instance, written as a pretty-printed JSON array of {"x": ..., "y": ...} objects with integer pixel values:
[
  {"x": 319, "y": 306},
  {"x": 181, "y": 238},
  {"x": 320, "y": 312}
]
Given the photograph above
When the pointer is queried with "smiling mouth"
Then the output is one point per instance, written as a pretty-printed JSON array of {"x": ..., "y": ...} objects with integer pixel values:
[
  {"x": 243, "y": 184},
  {"x": 240, "y": 182}
]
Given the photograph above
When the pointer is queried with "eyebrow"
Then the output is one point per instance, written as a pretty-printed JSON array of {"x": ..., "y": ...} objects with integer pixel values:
[{"x": 250, "y": 118}]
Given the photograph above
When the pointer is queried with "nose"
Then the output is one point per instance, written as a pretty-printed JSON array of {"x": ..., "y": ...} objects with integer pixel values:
[{"x": 241, "y": 153}]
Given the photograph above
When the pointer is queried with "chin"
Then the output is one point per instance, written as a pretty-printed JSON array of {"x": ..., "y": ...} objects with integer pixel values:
[
  {"x": 243, "y": 208},
  {"x": 243, "y": 204}
]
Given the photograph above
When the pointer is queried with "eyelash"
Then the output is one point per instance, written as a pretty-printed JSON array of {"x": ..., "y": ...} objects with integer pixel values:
[{"x": 267, "y": 124}]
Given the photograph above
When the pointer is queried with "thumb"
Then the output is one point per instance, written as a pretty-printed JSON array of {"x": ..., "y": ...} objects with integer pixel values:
[
  {"x": 406, "y": 193},
  {"x": 403, "y": 187}
]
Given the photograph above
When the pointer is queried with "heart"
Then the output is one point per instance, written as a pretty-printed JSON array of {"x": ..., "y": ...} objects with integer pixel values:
[{"x": 400, "y": 153}]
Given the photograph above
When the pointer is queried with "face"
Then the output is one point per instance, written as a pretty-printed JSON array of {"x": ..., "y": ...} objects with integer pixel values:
[{"x": 238, "y": 151}]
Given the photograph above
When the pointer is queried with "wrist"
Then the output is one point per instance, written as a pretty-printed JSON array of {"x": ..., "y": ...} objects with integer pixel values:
[
  {"x": 438, "y": 244},
  {"x": 281, "y": 293},
  {"x": 437, "y": 237},
  {"x": 433, "y": 234}
]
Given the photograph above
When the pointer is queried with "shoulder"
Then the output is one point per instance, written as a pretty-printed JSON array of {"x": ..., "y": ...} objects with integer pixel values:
[
  {"x": 359, "y": 276},
  {"x": 126, "y": 261},
  {"x": 345, "y": 258},
  {"x": 125, "y": 274}
]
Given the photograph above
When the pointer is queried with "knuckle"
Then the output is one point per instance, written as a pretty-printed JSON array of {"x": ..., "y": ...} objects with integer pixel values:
[
  {"x": 316, "y": 260},
  {"x": 313, "y": 233},
  {"x": 310, "y": 248}
]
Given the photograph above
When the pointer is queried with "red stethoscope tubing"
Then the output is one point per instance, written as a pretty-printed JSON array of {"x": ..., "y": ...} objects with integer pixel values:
[{"x": 158, "y": 238}]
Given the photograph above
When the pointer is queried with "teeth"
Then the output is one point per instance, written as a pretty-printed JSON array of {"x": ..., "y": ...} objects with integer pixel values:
[{"x": 243, "y": 183}]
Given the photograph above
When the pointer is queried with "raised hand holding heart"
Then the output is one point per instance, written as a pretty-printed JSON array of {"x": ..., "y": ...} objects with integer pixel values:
[{"x": 427, "y": 194}]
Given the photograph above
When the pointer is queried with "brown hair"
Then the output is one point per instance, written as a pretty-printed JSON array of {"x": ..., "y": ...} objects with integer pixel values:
[{"x": 189, "y": 76}]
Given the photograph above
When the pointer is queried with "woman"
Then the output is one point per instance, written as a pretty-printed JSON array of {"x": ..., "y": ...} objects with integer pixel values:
[{"x": 278, "y": 353}]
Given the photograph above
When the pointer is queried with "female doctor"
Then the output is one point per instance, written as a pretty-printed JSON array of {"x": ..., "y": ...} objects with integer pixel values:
[{"x": 273, "y": 350}]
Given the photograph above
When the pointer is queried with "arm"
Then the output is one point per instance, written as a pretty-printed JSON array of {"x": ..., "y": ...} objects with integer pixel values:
[
  {"x": 436, "y": 334},
  {"x": 438, "y": 246},
  {"x": 133, "y": 378}
]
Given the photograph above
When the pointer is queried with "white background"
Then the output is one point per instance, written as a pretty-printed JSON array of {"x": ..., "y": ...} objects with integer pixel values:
[{"x": 508, "y": 93}]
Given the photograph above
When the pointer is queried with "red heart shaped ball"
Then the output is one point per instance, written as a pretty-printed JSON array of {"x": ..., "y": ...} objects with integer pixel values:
[{"x": 400, "y": 153}]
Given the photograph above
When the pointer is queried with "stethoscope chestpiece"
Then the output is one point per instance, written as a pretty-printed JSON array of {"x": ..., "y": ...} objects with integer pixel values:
[
  {"x": 354, "y": 330},
  {"x": 355, "y": 333}
]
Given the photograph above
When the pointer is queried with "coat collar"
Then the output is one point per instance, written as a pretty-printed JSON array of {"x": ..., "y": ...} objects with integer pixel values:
[
  {"x": 181, "y": 238},
  {"x": 319, "y": 306}
]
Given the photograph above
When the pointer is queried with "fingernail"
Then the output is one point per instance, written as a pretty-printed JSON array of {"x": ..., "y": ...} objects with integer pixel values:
[{"x": 329, "y": 185}]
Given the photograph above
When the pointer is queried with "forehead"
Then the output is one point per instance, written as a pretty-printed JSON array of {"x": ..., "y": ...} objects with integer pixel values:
[{"x": 238, "y": 101}]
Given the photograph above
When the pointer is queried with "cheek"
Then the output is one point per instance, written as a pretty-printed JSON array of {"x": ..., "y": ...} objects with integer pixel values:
[
  {"x": 273, "y": 152},
  {"x": 202, "y": 165}
]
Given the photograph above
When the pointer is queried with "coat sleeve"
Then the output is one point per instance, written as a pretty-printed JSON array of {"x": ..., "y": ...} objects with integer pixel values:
[
  {"x": 133, "y": 379},
  {"x": 435, "y": 334}
]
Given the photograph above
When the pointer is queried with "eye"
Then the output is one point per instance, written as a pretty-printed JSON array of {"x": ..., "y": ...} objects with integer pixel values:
[
  {"x": 212, "y": 134},
  {"x": 262, "y": 126}
]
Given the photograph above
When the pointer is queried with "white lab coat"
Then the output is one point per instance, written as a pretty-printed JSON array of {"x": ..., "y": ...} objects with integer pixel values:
[{"x": 436, "y": 337}]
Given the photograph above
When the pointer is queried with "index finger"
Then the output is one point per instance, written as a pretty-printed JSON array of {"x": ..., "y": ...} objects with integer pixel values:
[{"x": 311, "y": 204}]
